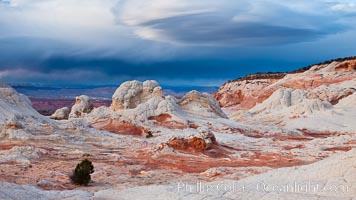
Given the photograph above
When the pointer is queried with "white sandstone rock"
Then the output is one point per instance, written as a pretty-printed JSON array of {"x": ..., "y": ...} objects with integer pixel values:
[
  {"x": 82, "y": 105},
  {"x": 132, "y": 93},
  {"x": 60, "y": 114},
  {"x": 153, "y": 107},
  {"x": 201, "y": 104},
  {"x": 289, "y": 102},
  {"x": 136, "y": 102},
  {"x": 16, "y": 107}
]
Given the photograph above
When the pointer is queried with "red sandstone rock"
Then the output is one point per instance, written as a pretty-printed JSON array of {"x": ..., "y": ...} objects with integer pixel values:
[
  {"x": 191, "y": 145},
  {"x": 119, "y": 127}
]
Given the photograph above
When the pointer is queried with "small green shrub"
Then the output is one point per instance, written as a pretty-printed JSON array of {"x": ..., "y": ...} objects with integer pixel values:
[{"x": 81, "y": 174}]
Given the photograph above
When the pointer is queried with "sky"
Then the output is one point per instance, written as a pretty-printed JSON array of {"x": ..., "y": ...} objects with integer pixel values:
[{"x": 177, "y": 42}]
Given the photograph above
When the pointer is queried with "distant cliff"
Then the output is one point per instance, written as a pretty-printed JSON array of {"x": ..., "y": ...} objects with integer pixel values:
[
  {"x": 268, "y": 75},
  {"x": 247, "y": 91}
]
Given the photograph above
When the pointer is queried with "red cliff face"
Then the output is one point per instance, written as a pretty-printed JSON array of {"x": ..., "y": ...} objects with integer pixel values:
[{"x": 244, "y": 93}]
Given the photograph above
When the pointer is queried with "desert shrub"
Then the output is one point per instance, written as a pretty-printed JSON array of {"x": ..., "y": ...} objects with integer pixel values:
[
  {"x": 81, "y": 174},
  {"x": 149, "y": 134}
]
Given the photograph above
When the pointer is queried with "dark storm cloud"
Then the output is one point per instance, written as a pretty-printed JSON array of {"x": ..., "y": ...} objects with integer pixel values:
[
  {"x": 201, "y": 42},
  {"x": 196, "y": 29},
  {"x": 189, "y": 69},
  {"x": 232, "y": 23},
  {"x": 64, "y": 71},
  {"x": 27, "y": 51}
]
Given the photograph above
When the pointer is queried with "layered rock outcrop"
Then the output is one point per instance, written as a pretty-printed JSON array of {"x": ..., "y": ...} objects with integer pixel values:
[
  {"x": 307, "y": 99},
  {"x": 246, "y": 93},
  {"x": 293, "y": 108},
  {"x": 242, "y": 93}
]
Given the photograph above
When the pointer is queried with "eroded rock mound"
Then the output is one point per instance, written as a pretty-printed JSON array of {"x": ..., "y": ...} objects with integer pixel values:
[
  {"x": 143, "y": 105},
  {"x": 61, "y": 114},
  {"x": 15, "y": 107},
  {"x": 202, "y": 104},
  {"x": 193, "y": 144},
  {"x": 82, "y": 105},
  {"x": 132, "y": 93},
  {"x": 139, "y": 116},
  {"x": 289, "y": 101},
  {"x": 198, "y": 142}
]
